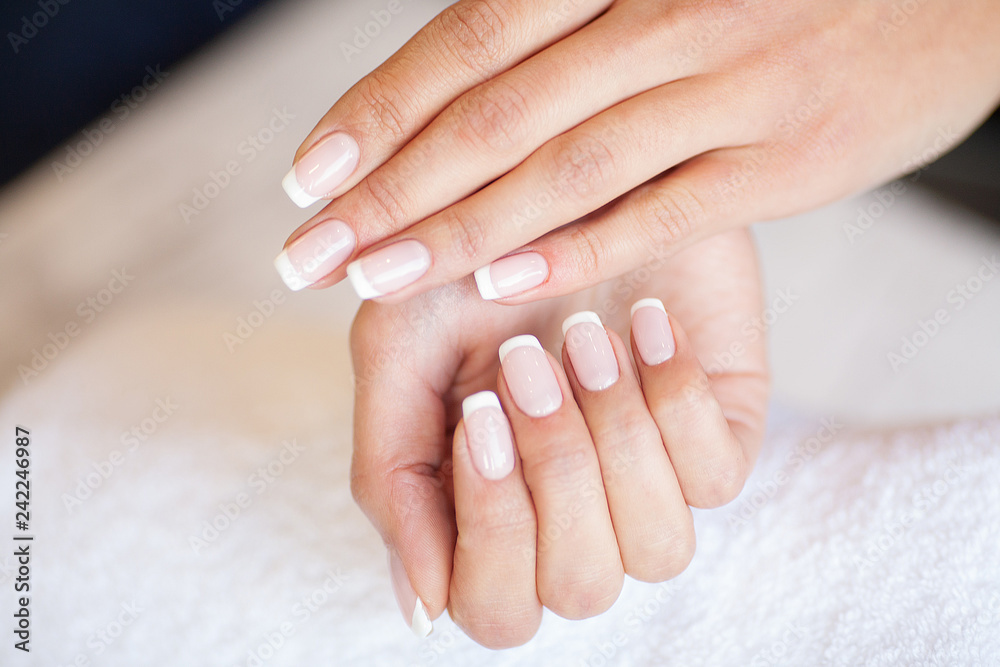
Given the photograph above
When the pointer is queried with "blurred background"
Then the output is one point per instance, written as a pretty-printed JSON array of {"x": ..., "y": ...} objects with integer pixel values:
[{"x": 136, "y": 272}]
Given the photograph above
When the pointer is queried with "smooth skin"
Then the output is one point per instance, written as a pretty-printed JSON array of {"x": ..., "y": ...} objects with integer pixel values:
[
  {"x": 502, "y": 123},
  {"x": 623, "y": 462}
]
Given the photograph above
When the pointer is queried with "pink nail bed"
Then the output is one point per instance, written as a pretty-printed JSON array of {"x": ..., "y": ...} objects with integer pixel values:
[
  {"x": 322, "y": 169},
  {"x": 315, "y": 254},
  {"x": 389, "y": 269},
  {"x": 530, "y": 378},
  {"x": 511, "y": 275},
  {"x": 651, "y": 329},
  {"x": 590, "y": 351},
  {"x": 488, "y": 434}
]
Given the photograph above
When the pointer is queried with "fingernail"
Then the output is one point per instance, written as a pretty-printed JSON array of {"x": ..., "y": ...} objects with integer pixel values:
[
  {"x": 487, "y": 431},
  {"x": 315, "y": 254},
  {"x": 511, "y": 275},
  {"x": 327, "y": 164},
  {"x": 590, "y": 351},
  {"x": 652, "y": 332},
  {"x": 410, "y": 605},
  {"x": 390, "y": 269},
  {"x": 529, "y": 376}
]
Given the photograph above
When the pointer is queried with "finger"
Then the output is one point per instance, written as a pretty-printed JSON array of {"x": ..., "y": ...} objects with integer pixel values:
[
  {"x": 468, "y": 43},
  {"x": 568, "y": 177},
  {"x": 653, "y": 524},
  {"x": 400, "y": 468},
  {"x": 711, "y": 193},
  {"x": 579, "y": 572},
  {"x": 493, "y": 581},
  {"x": 710, "y": 461}
]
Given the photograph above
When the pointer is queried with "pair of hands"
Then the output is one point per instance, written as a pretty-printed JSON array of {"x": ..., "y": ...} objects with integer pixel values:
[{"x": 594, "y": 137}]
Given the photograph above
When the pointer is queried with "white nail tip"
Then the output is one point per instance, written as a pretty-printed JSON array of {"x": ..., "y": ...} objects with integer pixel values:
[
  {"x": 421, "y": 621},
  {"x": 516, "y": 342},
  {"x": 288, "y": 274},
  {"x": 646, "y": 303},
  {"x": 484, "y": 399},
  {"x": 360, "y": 283},
  {"x": 301, "y": 198},
  {"x": 579, "y": 318},
  {"x": 485, "y": 284}
]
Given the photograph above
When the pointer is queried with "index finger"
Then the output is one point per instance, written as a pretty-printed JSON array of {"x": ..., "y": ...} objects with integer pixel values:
[{"x": 468, "y": 43}]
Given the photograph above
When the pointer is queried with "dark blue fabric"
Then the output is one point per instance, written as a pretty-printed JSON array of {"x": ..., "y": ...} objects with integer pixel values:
[{"x": 62, "y": 65}]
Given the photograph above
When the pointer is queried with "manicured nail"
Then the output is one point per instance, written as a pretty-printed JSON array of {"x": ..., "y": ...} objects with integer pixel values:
[
  {"x": 511, "y": 275},
  {"x": 491, "y": 444},
  {"x": 652, "y": 332},
  {"x": 529, "y": 376},
  {"x": 410, "y": 605},
  {"x": 315, "y": 254},
  {"x": 389, "y": 269},
  {"x": 327, "y": 164},
  {"x": 590, "y": 351}
]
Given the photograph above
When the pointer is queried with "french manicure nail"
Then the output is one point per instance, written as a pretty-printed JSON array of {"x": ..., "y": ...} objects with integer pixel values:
[
  {"x": 529, "y": 376},
  {"x": 414, "y": 612},
  {"x": 511, "y": 275},
  {"x": 327, "y": 164},
  {"x": 590, "y": 351},
  {"x": 389, "y": 269},
  {"x": 315, "y": 254},
  {"x": 651, "y": 328},
  {"x": 487, "y": 431}
]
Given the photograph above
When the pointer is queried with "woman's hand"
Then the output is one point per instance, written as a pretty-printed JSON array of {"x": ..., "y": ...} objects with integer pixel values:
[
  {"x": 603, "y": 461},
  {"x": 501, "y": 124}
]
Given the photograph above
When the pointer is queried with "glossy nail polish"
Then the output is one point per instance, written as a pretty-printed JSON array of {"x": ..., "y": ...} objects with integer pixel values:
[
  {"x": 590, "y": 351},
  {"x": 412, "y": 608},
  {"x": 488, "y": 434},
  {"x": 511, "y": 275},
  {"x": 651, "y": 329},
  {"x": 389, "y": 269},
  {"x": 315, "y": 254},
  {"x": 322, "y": 169},
  {"x": 530, "y": 378}
]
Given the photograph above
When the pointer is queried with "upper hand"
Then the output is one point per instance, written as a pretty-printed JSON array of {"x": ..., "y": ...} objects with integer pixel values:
[{"x": 500, "y": 124}]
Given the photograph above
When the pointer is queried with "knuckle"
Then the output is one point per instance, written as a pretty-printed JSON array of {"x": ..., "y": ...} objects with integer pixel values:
[
  {"x": 385, "y": 200},
  {"x": 476, "y": 33},
  {"x": 466, "y": 237},
  {"x": 561, "y": 465},
  {"x": 663, "y": 554},
  {"x": 388, "y": 115},
  {"x": 720, "y": 482},
  {"x": 584, "y": 595},
  {"x": 591, "y": 253},
  {"x": 494, "y": 117},
  {"x": 623, "y": 441},
  {"x": 671, "y": 214},
  {"x": 493, "y": 624},
  {"x": 583, "y": 165}
]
